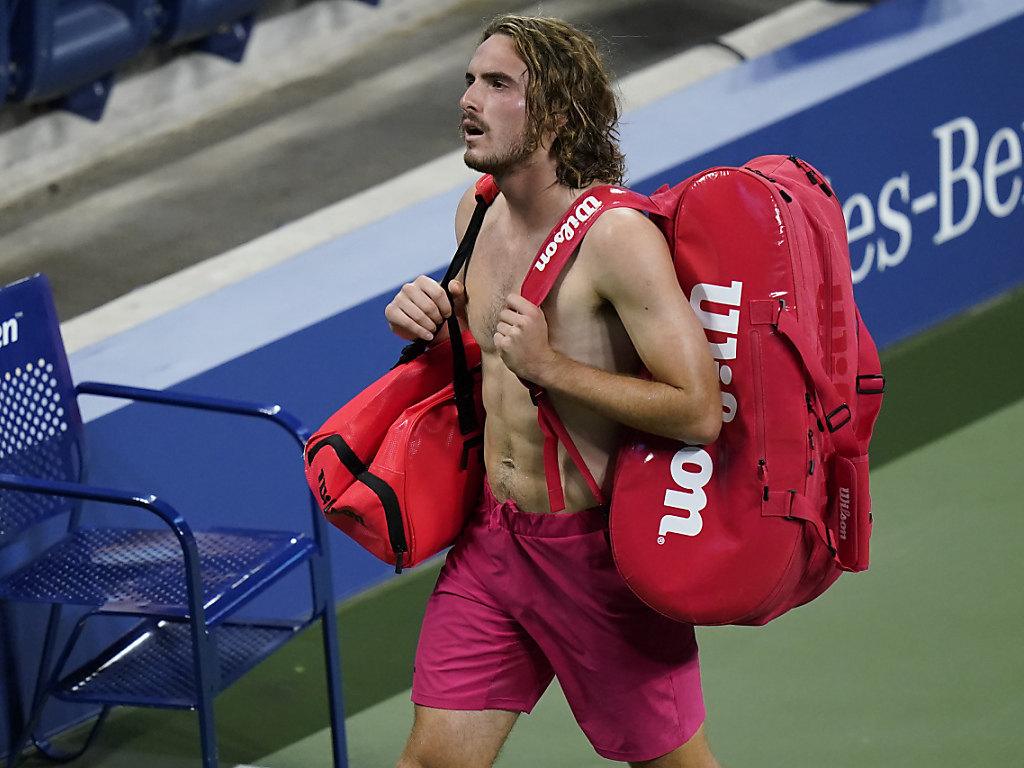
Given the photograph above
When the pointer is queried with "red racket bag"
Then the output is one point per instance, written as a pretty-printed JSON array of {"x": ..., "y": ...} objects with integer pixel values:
[{"x": 767, "y": 517}]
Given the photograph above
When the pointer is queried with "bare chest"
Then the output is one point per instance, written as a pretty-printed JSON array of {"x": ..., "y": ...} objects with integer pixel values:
[
  {"x": 497, "y": 269},
  {"x": 580, "y": 323}
]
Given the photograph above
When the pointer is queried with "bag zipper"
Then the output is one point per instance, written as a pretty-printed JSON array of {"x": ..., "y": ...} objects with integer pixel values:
[{"x": 762, "y": 464}]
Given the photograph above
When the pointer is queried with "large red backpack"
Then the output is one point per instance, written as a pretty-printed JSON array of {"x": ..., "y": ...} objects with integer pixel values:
[{"x": 767, "y": 517}]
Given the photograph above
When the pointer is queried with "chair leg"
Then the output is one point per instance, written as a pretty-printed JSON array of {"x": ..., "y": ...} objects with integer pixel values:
[
  {"x": 47, "y": 749},
  {"x": 46, "y": 681},
  {"x": 206, "y": 668},
  {"x": 18, "y": 746},
  {"x": 49, "y": 644},
  {"x": 335, "y": 691},
  {"x": 323, "y": 605},
  {"x": 207, "y": 731},
  {"x": 11, "y": 699},
  {"x": 62, "y": 756}
]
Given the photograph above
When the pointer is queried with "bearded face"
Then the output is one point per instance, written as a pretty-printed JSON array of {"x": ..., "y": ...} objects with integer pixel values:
[{"x": 494, "y": 109}]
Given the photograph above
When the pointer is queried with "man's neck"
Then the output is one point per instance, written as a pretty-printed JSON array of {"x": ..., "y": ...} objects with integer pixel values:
[{"x": 534, "y": 195}]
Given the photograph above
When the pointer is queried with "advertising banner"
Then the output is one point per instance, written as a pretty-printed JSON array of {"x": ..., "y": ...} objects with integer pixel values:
[{"x": 928, "y": 163}]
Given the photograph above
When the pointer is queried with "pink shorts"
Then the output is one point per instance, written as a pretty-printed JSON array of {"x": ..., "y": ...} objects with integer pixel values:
[{"x": 523, "y": 597}]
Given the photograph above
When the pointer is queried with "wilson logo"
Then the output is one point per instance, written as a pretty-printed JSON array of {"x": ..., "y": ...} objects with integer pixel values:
[
  {"x": 9, "y": 332},
  {"x": 844, "y": 512},
  {"x": 692, "y": 467},
  {"x": 689, "y": 496},
  {"x": 567, "y": 232},
  {"x": 327, "y": 503}
]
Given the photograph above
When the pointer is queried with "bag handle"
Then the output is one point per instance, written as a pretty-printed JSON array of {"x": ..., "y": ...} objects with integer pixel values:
[{"x": 462, "y": 377}]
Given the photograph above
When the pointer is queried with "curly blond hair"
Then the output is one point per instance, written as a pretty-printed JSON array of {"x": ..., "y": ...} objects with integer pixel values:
[{"x": 569, "y": 94}]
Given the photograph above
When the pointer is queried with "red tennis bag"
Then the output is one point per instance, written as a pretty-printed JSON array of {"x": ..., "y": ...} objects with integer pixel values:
[
  {"x": 767, "y": 517},
  {"x": 399, "y": 467},
  {"x": 395, "y": 468}
]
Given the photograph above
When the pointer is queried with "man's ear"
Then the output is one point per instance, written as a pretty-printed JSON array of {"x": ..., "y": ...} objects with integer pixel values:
[{"x": 548, "y": 135}]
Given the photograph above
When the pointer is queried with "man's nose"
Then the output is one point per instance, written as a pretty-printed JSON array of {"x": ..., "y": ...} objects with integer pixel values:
[{"x": 468, "y": 101}]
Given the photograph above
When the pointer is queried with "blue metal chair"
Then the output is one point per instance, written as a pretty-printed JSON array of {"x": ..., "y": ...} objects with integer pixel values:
[
  {"x": 69, "y": 49},
  {"x": 181, "y": 590}
]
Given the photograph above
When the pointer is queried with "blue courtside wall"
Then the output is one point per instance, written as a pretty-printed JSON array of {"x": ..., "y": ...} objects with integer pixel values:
[{"x": 873, "y": 103}]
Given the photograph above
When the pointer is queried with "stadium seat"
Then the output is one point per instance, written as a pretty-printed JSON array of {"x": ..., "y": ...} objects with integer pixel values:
[
  {"x": 5, "y": 54},
  {"x": 69, "y": 49},
  {"x": 169, "y": 607},
  {"x": 220, "y": 27}
]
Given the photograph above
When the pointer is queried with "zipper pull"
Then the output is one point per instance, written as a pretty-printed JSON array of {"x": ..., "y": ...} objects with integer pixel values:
[
  {"x": 810, "y": 437},
  {"x": 810, "y": 410},
  {"x": 763, "y": 468},
  {"x": 811, "y": 176}
]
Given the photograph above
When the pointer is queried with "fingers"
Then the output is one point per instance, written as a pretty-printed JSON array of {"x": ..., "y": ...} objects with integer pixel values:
[
  {"x": 508, "y": 322},
  {"x": 519, "y": 319},
  {"x": 503, "y": 333},
  {"x": 418, "y": 309},
  {"x": 518, "y": 304},
  {"x": 521, "y": 338}
]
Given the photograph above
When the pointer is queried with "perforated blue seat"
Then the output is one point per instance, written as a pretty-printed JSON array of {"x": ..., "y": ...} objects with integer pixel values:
[{"x": 182, "y": 590}]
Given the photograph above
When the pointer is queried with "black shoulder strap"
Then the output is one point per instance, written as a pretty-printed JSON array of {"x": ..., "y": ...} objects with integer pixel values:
[{"x": 461, "y": 258}]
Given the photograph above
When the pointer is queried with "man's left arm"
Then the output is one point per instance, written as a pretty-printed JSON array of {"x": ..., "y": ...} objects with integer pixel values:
[{"x": 632, "y": 269}]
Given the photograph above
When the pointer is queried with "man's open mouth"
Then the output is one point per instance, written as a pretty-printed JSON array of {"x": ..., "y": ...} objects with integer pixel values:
[{"x": 471, "y": 129}]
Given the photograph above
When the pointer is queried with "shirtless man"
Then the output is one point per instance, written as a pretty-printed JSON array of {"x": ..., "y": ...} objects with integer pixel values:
[{"x": 526, "y": 594}]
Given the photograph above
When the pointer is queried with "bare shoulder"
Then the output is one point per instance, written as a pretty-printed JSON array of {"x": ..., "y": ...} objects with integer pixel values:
[
  {"x": 626, "y": 248},
  {"x": 621, "y": 224},
  {"x": 464, "y": 213}
]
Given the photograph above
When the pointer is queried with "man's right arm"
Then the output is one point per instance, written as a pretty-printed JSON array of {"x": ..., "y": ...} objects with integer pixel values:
[{"x": 419, "y": 309}]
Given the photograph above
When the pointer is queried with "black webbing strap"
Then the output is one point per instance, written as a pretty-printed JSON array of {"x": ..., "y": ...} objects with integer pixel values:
[
  {"x": 461, "y": 375},
  {"x": 383, "y": 491}
]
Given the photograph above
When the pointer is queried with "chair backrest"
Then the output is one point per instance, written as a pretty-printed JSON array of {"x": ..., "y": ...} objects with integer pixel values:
[{"x": 41, "y": 429}]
